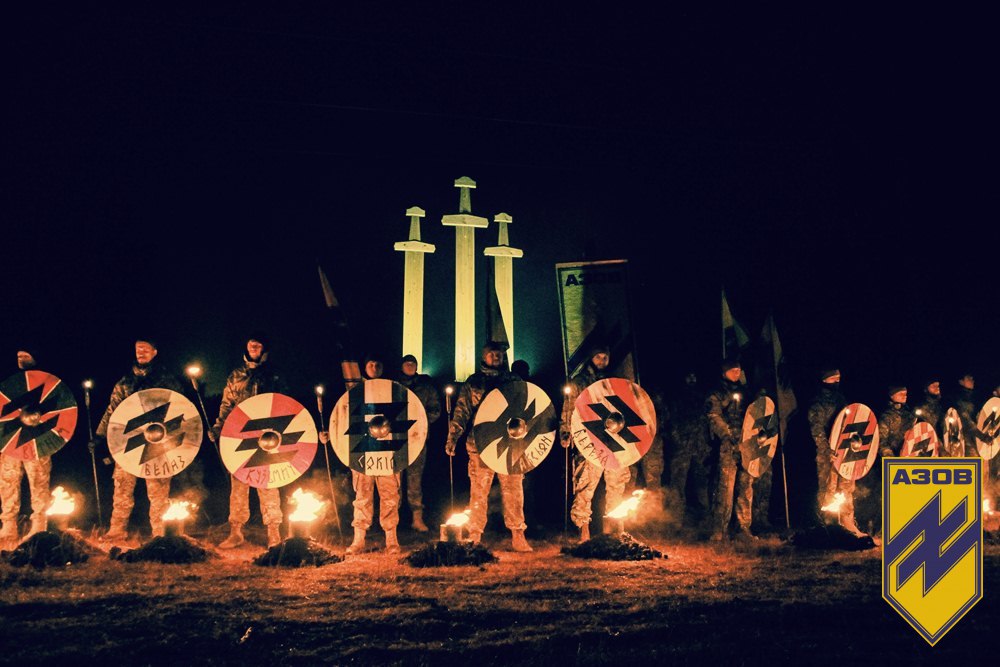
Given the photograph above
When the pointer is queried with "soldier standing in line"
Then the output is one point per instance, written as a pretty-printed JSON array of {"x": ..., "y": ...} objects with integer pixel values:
[
  {"x": 964, "y": 402},
  {"x": 724, "y": 410},
  {"x": 424, "y": 388},
  {"x": 689, "y": 449},
  {"x": 930, "y": 409}
]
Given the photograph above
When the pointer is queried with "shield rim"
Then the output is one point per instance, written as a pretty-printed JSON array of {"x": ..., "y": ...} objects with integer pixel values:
[
  {"x": 872, "y": 453},
  {"x": 200, "y": 430},
  {"x": 75, "y": 416},
  {"x": 550, "y": 407},
  {"x": 576, "y": 423}
]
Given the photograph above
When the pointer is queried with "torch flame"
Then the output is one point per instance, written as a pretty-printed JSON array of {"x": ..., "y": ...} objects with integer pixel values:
[
  {"x": 627, "y": 506},
  {"x": 838, "y": 501},
  {"x": 62, "y": 503},
  {"x": 459, "y": 519},
  {"x": 179, "y": 510},
  {"x": 987, "y": 506},
  {"x": 307, "y": 506}
]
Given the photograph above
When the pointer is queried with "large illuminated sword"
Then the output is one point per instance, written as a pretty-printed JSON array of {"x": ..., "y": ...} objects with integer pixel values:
[
  {"x": 465, "y": 278},
  {"x": 413, "y": 287},
  {"x": 503, "y": 271}
]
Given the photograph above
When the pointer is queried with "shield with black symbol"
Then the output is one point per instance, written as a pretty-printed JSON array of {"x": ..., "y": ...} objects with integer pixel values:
[
  {"x": 155, "y": 433},
  {"x": 613, "y": 423},
  {"x": 515, "y": 428},
  {"x": 37, "y": 415}
]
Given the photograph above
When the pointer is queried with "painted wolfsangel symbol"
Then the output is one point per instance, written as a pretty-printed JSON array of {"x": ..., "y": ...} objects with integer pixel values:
[
  {"x": 932, "y": 558},
  {"x": 268, "y": 441},
  {"x": 613, "y": 423},
  {"x": 760, "y": 436},
  {"x": 988, "y": 438},
  {"x": 37, "y": 415},
  {"x": 854, "y": 441},
  {"x": 155, "y": 433},
  {"x": 515, "y": 428},
  {"x": 921, "y": 440},
  {"x": 954, "y": 442},
  {"x": 378, "y": 427}
]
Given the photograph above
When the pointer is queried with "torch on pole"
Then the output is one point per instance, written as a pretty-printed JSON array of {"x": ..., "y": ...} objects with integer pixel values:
[
  {"x": 326, "y": 453},
  {"x": 567, "y": 390},
  {"x": 87, "y": 386},
  {"x": 448, "y": 391},
  {"x": 194, "y": 372}
]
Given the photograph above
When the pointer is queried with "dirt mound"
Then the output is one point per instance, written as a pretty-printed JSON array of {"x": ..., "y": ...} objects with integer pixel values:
[
  {"x": 169, "y": 549},
  {"x": 831, "y": 537},
  {"x": 613, "y": 547},
  {"x": 449, "y": 554},
  {"x": 297, "y": 552},
  {"x": 50, "y": 548}
]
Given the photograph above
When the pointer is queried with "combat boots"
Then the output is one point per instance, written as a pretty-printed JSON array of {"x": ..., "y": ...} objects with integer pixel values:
[
  {"x": 475, "y": 536},
  {"x": 39, "y": 524},
  {"x": 116, "y": 533},
  {"x": 358, "y": 545},
  {"x": 517, "y": 541},
  {"x": 418, "y": 521},
  {"x": 235, "y": 538},
  {"x": 848, "y": 523},
  {"x": 8, "y": 536},
  {"x": 273, "y": 535},
  {"x": 584, "y": 533},
  {"x": 391, "y": 541}
]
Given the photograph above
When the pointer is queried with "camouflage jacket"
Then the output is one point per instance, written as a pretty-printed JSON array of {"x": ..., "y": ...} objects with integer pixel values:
[
  {"x": 150, "y": 376},
  {"x": 964, "y": 403},
  {"x": 893, "y": 424},
  {"x": 724, "y": 410},
  {"x": 248, "y": 380},
  {"x": 471, "y": 394},
  {"x": 823, "y": 409},
  {"x": 931, "y": 411},
  {"x": 424, "y": 388},
  {"x": 688, "y": 421},
  {"x": 586, "y": 377}
]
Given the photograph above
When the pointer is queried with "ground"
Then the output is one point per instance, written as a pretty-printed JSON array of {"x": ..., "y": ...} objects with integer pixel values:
[{"x": 704, "y": 603}]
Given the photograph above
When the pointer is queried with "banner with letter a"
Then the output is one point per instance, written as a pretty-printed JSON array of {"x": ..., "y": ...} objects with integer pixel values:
[
  {"x": 932, "y": 558},
  {"x": 594, "y": 307}
]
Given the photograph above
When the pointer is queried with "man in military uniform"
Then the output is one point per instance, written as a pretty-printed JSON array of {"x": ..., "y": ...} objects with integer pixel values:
[
  {"x": 724, "y": 410},
  {"x": 894, "y": 422},
  {"x": 964, "y": 402},
  {"x": 688, "y": 432},
  {"x": 930, "y": 409},
  {"x": 491, "y": 375},
  {"x": 587, "y": 475},
  {"x": 11, "y": 471},
  {"x": 146, "y": 374},
  {"x": 823, "y": 409},
  {"x": 649, "y": 468},
  {"x": 254, "y": 376},
  {"x": 424, "y": 388}
]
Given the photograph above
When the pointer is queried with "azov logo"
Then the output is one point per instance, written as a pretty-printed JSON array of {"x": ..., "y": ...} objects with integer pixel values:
[{"x": 936, "y": 476}]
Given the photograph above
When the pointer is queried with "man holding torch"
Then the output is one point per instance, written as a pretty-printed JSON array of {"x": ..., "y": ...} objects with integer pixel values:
[
  {"x": 823, "y": 409},
  {"x": 724, "y": 409},
  {"x": 254, "y": 376}
]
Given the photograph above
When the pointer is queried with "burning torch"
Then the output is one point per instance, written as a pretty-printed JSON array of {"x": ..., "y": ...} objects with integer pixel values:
[
  {"x": 177, "y": 513},
  {"x": 87, "y": 386},
  {"x": 319, "y": 389},
  {"x": 193, "y": 372},
  {"x": 567, "y": 392}
]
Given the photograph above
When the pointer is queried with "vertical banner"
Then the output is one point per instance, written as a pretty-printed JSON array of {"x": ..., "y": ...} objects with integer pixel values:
[{"x": 594, "y": 308}]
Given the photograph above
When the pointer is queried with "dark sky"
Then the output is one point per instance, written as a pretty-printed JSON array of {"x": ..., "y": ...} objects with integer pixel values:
[{"x": 182, "y": 172}]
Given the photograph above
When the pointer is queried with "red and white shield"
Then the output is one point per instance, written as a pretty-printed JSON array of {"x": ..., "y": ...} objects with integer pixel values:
[
  {"x": 921, "y": 440},
  {"x": 155, "y": 433},
  {"x": 954, "y": 441},
  {"x": 854, "y": 441},
  {"x": 988, "y": 438},
  {"x": 268, "y": 441},
  {"x": 37, "y": 415},
  {"x": 613, "y": 423}
]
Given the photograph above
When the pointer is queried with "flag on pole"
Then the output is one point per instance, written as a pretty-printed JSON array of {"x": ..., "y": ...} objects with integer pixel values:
[
  {"x": 349, "y": 366},
  {"x": 774, "y": 376},
  {"x": 734, "y": 337}
]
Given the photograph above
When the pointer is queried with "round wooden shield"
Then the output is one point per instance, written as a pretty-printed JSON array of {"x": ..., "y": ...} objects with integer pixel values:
[
  {"x": 988, "y": 438},
  {"x": 515, "y": 428},
  {"x": 268, "y": 441},
  {"x": 760, "y": 436},
  {"x": 613, "y": 423},
  {"x": 378, "y": 427},
  {"x": 921, "y": 440},
  {"x": 37, "y": 415},
  {"x": 954, "y": 442},
  {"x": 155, "y": 433},
  {"x": 854, "y": 441}
]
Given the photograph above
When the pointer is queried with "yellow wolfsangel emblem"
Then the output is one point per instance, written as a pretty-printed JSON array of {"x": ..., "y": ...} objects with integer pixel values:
[{"x": 932, "y": 558}]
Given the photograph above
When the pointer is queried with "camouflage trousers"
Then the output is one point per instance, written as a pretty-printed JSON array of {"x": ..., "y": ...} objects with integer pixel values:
[
  {"x": 735, "y": 483},
  {"x": 364, "y": 500},
  {"x": 239, "y": 504},
  {"x": 687, "y": 463},
  {"x": 414, "y": 482},
  {"x": 831, "y": 483},
  {"x": 511, "y": 493},
  {"x": 650, "y": 467},
  {"x": 586, "y": 477},
  {"x": 11, "y": 471},
  {"x": 158, "y": 491}
]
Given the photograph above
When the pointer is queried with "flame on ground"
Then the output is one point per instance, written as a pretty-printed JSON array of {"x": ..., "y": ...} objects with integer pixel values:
[
  {"x": 307, "y": 506},
  {"x": 179, "y": 510},
  {"x": 459, "y": 519},
  {"x": 838, "y": 502},
  {"x": 62, "y": 503},
  {"x": 627, "y": 506}
]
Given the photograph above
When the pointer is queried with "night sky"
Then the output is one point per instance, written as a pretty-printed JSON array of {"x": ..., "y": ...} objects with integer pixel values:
[{"x": 180, "y": 174}]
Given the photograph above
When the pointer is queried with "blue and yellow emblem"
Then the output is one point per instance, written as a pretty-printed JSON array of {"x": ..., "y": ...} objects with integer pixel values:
[{"x": 932, "y": 557}]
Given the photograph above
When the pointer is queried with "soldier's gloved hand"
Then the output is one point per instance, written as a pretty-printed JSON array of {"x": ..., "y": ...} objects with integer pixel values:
[
  {"x": 324, "y": 437},
  {"x": 449, "y": 448},
  {"x": 565, "y": 439},
  {"x": 91, "y": 446},
  {"x": 212, "y": 436}
]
